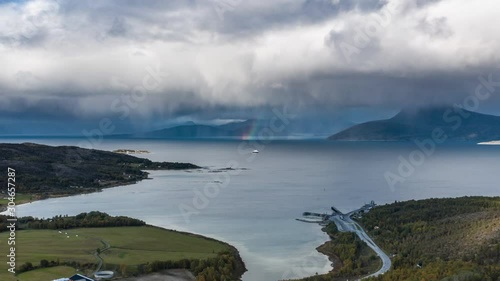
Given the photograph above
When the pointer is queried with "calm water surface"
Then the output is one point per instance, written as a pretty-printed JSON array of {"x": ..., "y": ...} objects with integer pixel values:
[{"x": 255, "y": 208}]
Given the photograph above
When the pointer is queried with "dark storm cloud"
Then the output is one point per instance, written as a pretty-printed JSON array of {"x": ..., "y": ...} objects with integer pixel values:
[
  {"x": 241, "y": 20},
  {"x": 160, "y": 60}
]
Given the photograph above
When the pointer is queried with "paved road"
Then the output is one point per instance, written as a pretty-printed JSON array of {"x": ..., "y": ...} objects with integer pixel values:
[
  {"x": 344, "y": 223},
  {"x": 98, "y": 256}
]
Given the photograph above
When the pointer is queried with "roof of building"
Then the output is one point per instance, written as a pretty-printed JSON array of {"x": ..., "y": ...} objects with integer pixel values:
[{"x": 79, "y": 277}]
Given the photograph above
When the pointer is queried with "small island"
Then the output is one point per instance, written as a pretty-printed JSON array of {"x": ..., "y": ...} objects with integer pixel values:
[
  {"x": 49, "y": 171},
  {"x": 130, "y": 151}
]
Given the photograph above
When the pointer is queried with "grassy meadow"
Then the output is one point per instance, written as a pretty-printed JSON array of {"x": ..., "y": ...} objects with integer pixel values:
[{"x": 129, "y": 247}]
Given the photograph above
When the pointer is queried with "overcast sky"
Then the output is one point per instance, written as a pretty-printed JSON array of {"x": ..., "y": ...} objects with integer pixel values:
[{"x": 150, "y": 62}]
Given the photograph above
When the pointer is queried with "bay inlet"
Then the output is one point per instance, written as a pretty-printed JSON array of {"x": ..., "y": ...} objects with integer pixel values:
[{"x": 255, "y": 209}]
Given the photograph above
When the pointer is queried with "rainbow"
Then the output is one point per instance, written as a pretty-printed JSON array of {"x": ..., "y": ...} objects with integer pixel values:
[{"x": 251, "y": 132}]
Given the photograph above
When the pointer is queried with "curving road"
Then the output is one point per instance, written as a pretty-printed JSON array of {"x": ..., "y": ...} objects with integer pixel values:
[
  {"x": 98, "y": 256},
  {"x": 344, "y": 223}
]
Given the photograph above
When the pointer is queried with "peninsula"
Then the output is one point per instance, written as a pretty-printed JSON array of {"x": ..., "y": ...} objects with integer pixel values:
[
  {"x": 48, "y": 171},
  {"x": 433, "y": 239},
  {"x": 90, "y": 242}
]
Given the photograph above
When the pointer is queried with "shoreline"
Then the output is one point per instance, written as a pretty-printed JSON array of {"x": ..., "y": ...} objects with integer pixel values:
[
  {"x": 342, "y": 223},
  {"x": 471, "y": 207},
  {"x": 3, "y": 208},
  {"x": 71, "y": 170},
  {"x": 241, "y": 267},
  {"x": 334, "y": 260},
  {"x": 234, "y": 250},
  {"x": 237, "y": 264}
]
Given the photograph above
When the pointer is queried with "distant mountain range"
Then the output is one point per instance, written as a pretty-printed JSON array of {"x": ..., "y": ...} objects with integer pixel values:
[
  {"x": 408, "y": 124},
  {"x": 257, "y": 128},
  {"x": 192, "y": 130}
]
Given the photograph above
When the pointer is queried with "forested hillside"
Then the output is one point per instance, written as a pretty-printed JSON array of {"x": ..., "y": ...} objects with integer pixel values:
[
  {"x": 427, "y": 240},
  {"x": 44, "y": 171}
]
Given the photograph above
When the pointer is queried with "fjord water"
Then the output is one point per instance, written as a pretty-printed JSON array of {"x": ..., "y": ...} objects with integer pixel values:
[{"x": 255, "y": 208}]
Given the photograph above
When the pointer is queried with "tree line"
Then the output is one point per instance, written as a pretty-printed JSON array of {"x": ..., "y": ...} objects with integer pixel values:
[{"x": 91, "y": 219}]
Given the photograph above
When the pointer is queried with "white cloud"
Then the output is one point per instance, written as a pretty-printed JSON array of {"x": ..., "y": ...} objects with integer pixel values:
[{"x": 267, "y": 56}]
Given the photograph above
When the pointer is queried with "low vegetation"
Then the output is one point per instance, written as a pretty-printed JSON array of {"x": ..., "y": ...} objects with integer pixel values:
[
  {"x": 350, "y": 256},
  {"x": 91, "y": 219},
  {"x": 439, "y": 239},
  {"x": 58, "y": 246},
  {"x": 435, "y": 239},
  {"x": 46, "y": 171}
]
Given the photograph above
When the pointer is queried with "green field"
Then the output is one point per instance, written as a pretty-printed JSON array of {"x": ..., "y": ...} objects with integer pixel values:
[
  {"x": 129, "y": 246},
  {"x": 20, "y": 199},
  {"x": 47, "y": 273}
]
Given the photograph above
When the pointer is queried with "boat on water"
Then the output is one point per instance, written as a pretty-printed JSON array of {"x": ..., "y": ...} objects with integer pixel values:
[{"x": 255, "y": 151}]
